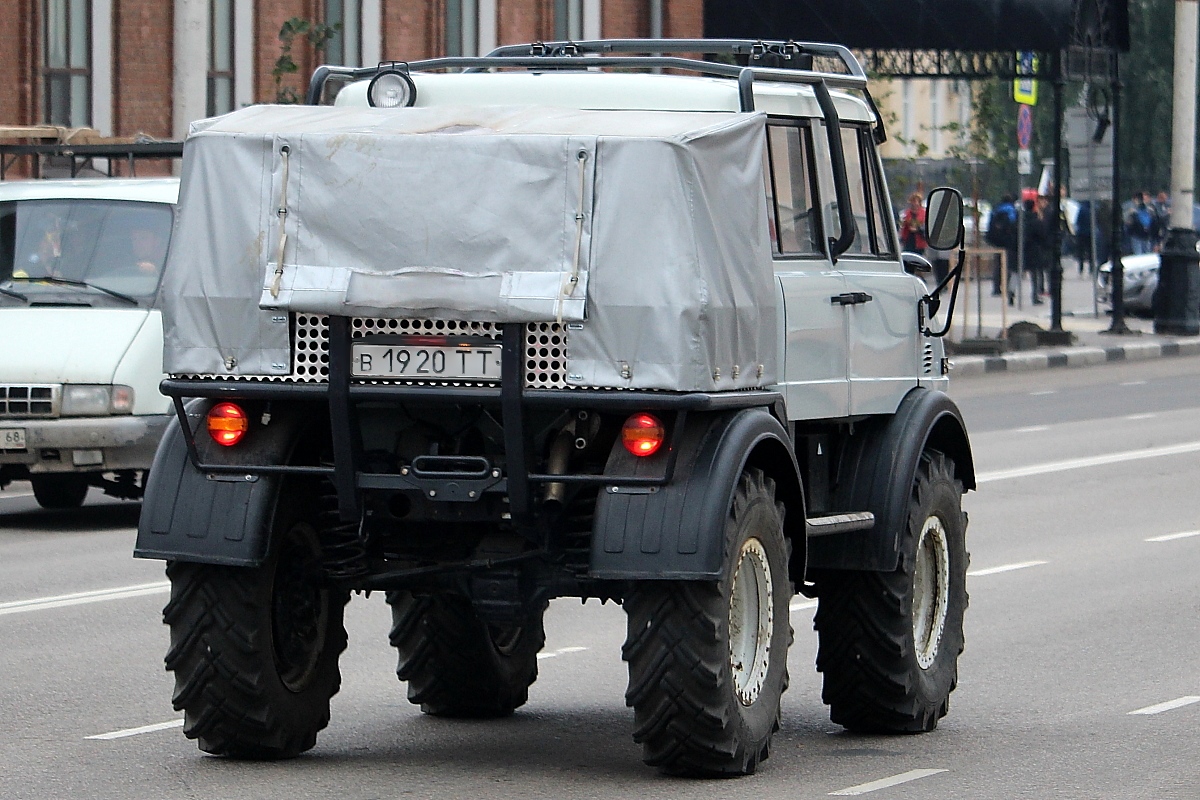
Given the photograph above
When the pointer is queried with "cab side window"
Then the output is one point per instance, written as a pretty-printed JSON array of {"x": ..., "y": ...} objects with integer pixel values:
[
  {"x": 791, "y": 192},
  {"x": 873, "y": 235}
]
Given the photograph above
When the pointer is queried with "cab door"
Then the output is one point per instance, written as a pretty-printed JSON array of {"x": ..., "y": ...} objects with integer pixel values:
[
  {"x": 814, "y": 334},
  {"x": 881, "y": 301}
]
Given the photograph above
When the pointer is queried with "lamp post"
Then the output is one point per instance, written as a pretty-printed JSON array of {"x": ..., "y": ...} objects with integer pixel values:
[{"x": 1177, "y": 299}]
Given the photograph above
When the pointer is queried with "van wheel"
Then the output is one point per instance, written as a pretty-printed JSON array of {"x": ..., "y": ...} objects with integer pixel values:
[
  {"x": 59, "y": 491},
  {"x": 457, "y": 665},
  {"x": 708, "y": 660},
  {"x": 255, "y": 650},
  {"x": 889, "y": 641}
]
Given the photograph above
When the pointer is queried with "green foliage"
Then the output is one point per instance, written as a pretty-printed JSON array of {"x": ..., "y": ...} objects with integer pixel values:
[
  {"x": 1147, "y": 74},
  {"x": 317, "y": 37}
]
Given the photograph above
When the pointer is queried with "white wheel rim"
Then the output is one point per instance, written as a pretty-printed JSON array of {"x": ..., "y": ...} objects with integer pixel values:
[
  {"x": 751, "y": 621},
  {"x": 931, "y": 590}
]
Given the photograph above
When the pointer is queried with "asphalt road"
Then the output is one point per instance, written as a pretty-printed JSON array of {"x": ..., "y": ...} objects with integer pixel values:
[{"x": 1081, "y": 677}]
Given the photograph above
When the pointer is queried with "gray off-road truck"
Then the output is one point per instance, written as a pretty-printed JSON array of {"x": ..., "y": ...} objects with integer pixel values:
[{"x": 591, "y": 319}]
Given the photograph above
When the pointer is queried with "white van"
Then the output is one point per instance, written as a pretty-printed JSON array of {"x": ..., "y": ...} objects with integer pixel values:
[{"x": 80, "y": 263}]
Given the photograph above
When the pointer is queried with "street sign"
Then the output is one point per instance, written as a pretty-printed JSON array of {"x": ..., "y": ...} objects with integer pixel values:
[
  {"x": 1024, "y": 161},
  {"x": 1091, "y": 161},
  {"x": 1024, "y": 126},
  {"x": 1025, "y": 88}
]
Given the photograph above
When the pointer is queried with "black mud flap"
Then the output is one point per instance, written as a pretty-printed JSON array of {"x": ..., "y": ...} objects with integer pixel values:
[
  {"x": 677, "y": 531},
  {"x": 191, "y": 516},
  {"x": 876, "y": 474}
]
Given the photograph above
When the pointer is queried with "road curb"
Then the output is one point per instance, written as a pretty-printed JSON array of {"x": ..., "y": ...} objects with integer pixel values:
[{"x": 1080, "y": 356}]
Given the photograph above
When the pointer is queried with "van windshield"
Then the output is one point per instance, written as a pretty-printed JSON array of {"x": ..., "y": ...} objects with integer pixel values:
[{"x": 114, "y": 245}]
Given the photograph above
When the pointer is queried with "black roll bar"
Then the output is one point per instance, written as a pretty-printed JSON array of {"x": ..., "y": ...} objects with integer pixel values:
[
  {"x": 833, "y": 129},
  {"x": 656, "y": 54}
]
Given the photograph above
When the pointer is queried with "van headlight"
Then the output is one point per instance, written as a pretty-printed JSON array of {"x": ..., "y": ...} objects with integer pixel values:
[{"x": 96, "y": 401}]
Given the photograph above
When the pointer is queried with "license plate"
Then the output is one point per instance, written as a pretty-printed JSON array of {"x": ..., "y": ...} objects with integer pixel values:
[
  {"x": 12, "y": 438},
  {"x": 426, "y": 362}
]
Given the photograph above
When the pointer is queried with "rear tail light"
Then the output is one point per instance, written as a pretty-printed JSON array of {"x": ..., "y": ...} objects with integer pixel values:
[
  {"x": 227, "y": 424},
  {"x": 643, "y": 434}
]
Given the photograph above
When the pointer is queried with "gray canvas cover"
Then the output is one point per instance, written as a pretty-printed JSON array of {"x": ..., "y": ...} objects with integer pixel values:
[{"x": 644, "y": 232}]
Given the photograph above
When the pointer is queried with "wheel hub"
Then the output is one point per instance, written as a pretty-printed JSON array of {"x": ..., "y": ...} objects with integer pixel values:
[
  {"x": 751, "y": 621},
  {"x": 931, "y": 590}
]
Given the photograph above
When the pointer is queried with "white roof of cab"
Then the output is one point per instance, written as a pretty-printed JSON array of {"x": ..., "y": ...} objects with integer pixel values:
[
  {"x": 150, "y": 190},
  {"x": 596, "y": 91}
]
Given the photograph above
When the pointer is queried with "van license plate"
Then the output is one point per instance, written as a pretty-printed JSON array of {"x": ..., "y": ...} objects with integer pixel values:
[
  {"x": 426, "y": 362},
  {"x": 12, "y": 438}
]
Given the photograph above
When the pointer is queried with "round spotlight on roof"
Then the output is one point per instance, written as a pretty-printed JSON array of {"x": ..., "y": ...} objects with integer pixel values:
[{"x": 391, "y": 89}]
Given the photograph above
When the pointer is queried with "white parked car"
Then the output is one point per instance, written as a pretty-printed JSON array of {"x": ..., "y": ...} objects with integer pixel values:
[
  {"x": 80, "y": 263},
  {"x": 1140, "y": 281}
]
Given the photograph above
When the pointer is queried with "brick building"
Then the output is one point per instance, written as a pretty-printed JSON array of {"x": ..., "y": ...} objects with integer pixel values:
[{"x": 152, "y": 66}]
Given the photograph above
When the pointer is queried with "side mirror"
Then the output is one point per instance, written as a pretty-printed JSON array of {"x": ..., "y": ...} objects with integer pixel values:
[{"x": 944, "y": 218}]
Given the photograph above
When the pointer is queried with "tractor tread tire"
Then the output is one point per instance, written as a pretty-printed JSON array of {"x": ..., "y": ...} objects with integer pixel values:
[
  {"x": 226, "y": 682},
  {"x": 686, "y": 714},
  {"x": 866, "y": 652},
  {"x": 452, "y": 666}
]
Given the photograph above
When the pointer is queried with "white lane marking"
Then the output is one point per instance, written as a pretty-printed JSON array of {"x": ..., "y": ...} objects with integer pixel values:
[
  {"x": 1043, "y": 392},
  {"x": 1089, "y": 461},
  {"x": 1032, "y": 429},
  {"x": 560, "y": 651},
  {"x": 1173, "y": 536},
  {"x": 884, "y": 783},
  {"x": 1133, "y": 383},
  {"x": 1170, "y": 705},
  {"x": 800, "y": 605},
  {"x": 1132, "y": 417},
  {"x": 159, "y": 726},
  {"x": 79, "y": 598},
  {"x": 975, "y": 573}
]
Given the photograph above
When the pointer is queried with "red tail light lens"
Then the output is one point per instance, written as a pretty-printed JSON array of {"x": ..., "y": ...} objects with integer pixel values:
[
  {"x": 227, "y": 424},
  {"x": 643, "y": 434}
]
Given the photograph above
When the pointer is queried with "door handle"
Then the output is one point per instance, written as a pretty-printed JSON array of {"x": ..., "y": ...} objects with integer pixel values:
[{"x": 851, "y": 298}]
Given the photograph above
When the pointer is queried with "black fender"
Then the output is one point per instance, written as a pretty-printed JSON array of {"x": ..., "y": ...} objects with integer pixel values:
[
  {"x": 876, "y": 472},
  {"x": 188, "y": 515},
  {"x": 677, "y": 531}
]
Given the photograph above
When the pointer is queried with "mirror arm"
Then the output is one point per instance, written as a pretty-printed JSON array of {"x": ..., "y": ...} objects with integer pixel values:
[{"x": 928, "y": 300}]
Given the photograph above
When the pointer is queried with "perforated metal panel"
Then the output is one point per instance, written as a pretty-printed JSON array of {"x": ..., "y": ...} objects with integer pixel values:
[{"x": 545, "y": 348}]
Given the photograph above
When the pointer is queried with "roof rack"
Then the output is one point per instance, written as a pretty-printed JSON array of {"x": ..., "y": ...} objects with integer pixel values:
[
  {"x": 780, "y": 61},
  {"x": 80, "y": 145}
]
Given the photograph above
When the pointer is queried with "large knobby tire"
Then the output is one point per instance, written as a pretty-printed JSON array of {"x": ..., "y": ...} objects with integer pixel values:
[
  {"x": 708, "y": 660},
  {"x": 457, "y": 665},
  {"x": 890, "y": 642},
  {"x": 255, "y": 650},
  {"x": 59, "y": 491}
]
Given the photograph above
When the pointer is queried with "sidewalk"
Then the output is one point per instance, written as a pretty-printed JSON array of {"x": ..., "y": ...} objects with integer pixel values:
[{"x": 1091, "y": 342}]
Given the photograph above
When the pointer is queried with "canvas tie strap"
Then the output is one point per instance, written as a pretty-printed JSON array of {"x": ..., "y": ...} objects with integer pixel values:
[
  {"x": 282, "y": 214},
  {"x": 572, "y": 280}
]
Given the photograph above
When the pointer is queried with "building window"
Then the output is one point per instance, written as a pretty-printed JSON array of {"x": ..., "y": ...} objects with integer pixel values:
[
  {"x": 345, "y": 46},
  {"x": 568, "y": 20},
  {"x": 220, "y": 57},
  {"x": 462, "y": 27},
  {"x": 68, "y": 63}
]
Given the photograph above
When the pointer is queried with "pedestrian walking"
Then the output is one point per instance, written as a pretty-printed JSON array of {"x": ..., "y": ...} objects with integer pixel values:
[
  {"x": 1002, "y": 233},
  {"x": 1139, "y": 225},
  {"x": 912, "y": 225},
  {"x": 1039, "y": 243}
]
